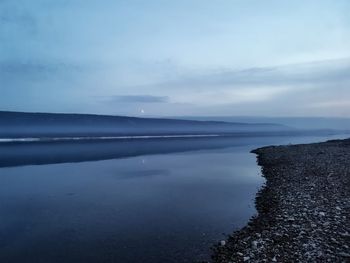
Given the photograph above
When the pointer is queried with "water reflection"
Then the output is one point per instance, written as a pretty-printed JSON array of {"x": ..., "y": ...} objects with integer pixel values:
[
  {"x": 19, "y": 153},
  {"x": 14, "y": 154},
  {"x": 167, "y": 202}
]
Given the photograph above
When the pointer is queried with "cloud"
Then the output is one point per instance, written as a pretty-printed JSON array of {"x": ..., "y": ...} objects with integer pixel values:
[
  {"x": 327, "y": 71},
  {"x": 256, "y": 84},
  {"x": 32, "y": 67},
  {"x": 339, "y": 103},
  {"x": 17, "y": 21},
  {"x": 18, "y": 74},
  {"x": 139, "y": 99}
]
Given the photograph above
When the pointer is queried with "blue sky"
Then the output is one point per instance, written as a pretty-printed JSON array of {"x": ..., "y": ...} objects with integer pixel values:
[{"x": 167, "y": 58}]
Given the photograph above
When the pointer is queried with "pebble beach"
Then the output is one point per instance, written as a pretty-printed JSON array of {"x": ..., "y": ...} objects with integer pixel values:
[{"x": 303, "y": 209}]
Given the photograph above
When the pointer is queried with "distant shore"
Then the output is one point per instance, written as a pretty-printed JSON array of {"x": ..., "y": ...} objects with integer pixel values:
[{"x": 303, "y": 211}]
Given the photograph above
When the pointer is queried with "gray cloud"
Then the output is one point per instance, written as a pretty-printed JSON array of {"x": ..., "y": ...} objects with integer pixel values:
[
  {"x": 139, "y": 99},
  {"x": 313, "y": 73},
  {"x": 20, "y": 72},
  {"x": 16, "y": 21},
  {"x": 313, "y": 88},
  {"x": 32, "y": 67}
]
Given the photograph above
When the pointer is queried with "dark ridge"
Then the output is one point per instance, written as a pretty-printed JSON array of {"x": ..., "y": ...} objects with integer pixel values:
[{"x": 23, "y": 124}]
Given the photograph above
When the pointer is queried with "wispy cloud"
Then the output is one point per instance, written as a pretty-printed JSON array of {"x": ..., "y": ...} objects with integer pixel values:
[
  {"x": 256, "y": 84},
  {"x": 35, "y": 67},
  {"x": 285, "y": 75},
  {"x": 138, "y": 99}
]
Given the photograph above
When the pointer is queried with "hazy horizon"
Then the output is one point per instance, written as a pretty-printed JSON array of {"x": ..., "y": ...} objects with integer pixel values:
[
  {"x": 183, "y": 58},
  {"x": 188, "y": 117}
]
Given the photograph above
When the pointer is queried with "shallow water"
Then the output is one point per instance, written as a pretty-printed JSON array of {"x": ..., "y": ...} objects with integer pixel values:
[{"x": 164, "y": 200}]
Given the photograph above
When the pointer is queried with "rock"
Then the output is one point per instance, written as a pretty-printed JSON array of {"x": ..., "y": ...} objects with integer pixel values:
[
  {"x": 254, "y": 245},
  {"x": 334, "y": 240},
  {"x": 345, "y": 234},
  {"x": 344, "y": 255}
]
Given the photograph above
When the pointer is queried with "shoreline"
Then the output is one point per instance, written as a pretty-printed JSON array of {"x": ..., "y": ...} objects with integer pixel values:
[{"x": 303, "y": 209}]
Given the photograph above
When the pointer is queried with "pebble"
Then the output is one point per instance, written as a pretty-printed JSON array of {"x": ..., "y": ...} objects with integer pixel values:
[
  {"x": 303, "y": 212},
  {"x": 344, "y": 255},
  {"x": 255, "y": 245}
]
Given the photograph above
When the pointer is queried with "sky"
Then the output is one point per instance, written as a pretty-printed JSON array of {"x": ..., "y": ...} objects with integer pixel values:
[{"x": 176, "y": 58}]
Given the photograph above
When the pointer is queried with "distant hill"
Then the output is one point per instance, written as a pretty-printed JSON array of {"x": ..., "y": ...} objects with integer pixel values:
[
  {"x": 38, "y": 125},
  {"x": 304, "y": 123}
]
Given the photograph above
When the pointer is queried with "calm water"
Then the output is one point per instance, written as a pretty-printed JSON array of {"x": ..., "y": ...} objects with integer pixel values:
[{"x": 126, "y": 201}]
